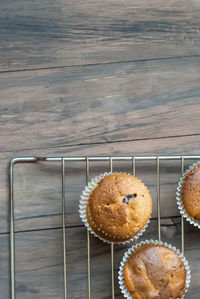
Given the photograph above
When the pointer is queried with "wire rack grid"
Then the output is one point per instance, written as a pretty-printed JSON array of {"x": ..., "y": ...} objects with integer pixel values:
[{"x": 87, "y": 161}]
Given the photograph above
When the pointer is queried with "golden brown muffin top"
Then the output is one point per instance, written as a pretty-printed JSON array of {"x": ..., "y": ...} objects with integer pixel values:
[
  {"x": 120, "y": 205},
  {"x": 191, "y": 192},
  {"x": 155, "y": 272}
]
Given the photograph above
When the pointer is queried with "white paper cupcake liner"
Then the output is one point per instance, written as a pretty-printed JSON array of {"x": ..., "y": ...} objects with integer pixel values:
[
  {"x": 130, "y": 251},
  {"x": 180, "y": 204},
  {"x": 83, "y": 212}
]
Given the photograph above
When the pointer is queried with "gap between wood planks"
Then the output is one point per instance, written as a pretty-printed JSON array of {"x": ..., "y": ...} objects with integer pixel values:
[
  {"x": 96, "y": 64},
  {"x": 79, "y": 225},
  {"x": 102, "y": 142}
]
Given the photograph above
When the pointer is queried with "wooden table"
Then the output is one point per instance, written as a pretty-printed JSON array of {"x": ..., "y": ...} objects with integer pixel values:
[{"x": 92, "y": 78}]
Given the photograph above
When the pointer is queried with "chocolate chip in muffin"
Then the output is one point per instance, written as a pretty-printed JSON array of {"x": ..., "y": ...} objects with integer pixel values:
[{"x": 128, "y": 197}]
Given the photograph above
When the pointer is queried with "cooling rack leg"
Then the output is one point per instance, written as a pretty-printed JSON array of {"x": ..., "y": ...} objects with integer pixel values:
[
  {"x": 12, "y": 238},
  {"x": 158, "y": 197},
  {"x": 182, "y": 219},
  {"x": 88, "y": 248},
  {"x": 63, "y": 229},
  {"x": 133, "y": 165},
  {"x": 113, "y": 273},
  {"x": 133, "y": 171},
  {"x": 88, "y": 236},
  {"x": 112, "y": 250}
]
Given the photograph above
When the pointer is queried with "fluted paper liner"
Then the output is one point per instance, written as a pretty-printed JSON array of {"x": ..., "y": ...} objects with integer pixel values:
[
  {"x": 181, "y": 207},
  {"x": 130, "y": 251},
  {"x": 83, "y": 211}
]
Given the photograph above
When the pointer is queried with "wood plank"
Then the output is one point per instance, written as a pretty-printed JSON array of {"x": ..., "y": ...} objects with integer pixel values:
[
  {"x": 53, "y": 108},
  {"x": 37, "y": 34},
  {"x": 38, "y": 186},
  {"x": 39, "y": 262}
]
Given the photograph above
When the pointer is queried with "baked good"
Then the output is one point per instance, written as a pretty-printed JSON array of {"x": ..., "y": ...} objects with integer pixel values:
[
  {"x": 191, "y": 192},
  {"x": 153, "y": 272},
  {"x": 119, "y": 207}
]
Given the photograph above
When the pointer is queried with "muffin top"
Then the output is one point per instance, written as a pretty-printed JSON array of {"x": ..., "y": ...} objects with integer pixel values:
[
  {"x": 191, "y": 193},
  {"x": 120, "y": 205},
  {"x": 154, "y": 272}
]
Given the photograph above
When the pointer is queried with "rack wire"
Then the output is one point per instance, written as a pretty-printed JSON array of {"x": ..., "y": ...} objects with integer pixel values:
[{"x": 87, "y": 160}]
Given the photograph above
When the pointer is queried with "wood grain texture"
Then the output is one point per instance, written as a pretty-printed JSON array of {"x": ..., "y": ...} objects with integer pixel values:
[
  {"x": 91, "y": 78},
  {"x": 38, "y": 186},
  {"x": 39, "y": 271},
  {"x": 37, "y": 34},
  {"x": 53, "y": 108}
]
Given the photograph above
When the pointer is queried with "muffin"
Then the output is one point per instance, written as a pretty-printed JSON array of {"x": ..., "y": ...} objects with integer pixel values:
[
  {"x": 188, "y": 195},
  {"x": 155, "y": 271},
  {"x": 118, "y": 207},
  {"x": 191, "y": 192}
]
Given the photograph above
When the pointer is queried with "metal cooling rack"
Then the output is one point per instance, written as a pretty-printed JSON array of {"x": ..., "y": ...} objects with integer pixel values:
[{"x": 87, "y": 160}]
